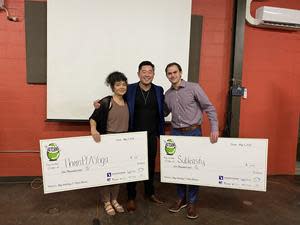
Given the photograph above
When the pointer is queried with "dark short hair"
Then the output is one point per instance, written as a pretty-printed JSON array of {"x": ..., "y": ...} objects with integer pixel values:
[
  {"x": 114, "y": 77},
  {"x": 146, "y": 63},
  {"x": 173, "y": 64}
]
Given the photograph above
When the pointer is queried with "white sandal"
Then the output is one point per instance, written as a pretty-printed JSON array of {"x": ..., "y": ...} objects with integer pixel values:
[
  {"x": 109, "y": 209},
  {"x": 117, "y": 206}
]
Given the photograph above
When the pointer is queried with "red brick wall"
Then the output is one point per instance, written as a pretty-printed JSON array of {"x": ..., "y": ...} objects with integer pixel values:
[
  {"x": 271, "y": 72},
  {"x": 23, "y": 106},
  {"x": 215, "y": 53}
]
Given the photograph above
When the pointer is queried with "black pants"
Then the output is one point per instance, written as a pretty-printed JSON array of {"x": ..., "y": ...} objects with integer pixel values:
[{"x": 148, "y": 184}]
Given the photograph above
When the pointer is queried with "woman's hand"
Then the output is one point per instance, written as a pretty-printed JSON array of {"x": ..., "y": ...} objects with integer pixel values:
[
  {"x": 96, "y": 136},
  {"x": 96, "y": 104}
]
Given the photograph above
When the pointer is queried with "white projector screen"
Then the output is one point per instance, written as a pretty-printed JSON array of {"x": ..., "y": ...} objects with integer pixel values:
[{"x": 87, "y": 40}]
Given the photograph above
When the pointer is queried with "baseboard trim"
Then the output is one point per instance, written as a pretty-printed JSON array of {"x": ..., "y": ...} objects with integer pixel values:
[{"x": 18, "y": 179}]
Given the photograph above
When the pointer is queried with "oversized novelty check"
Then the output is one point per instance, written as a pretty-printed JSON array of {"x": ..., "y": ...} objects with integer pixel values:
[
  {"x": 80, "y": 162},
  {"x": 237, "y": 163}
]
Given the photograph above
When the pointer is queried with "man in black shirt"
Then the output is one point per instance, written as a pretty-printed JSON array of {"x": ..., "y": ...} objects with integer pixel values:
[{"x": 145, "y": 102}]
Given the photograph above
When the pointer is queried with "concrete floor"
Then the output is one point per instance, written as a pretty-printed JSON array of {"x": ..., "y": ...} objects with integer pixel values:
[{"x": 24, "y": 203}]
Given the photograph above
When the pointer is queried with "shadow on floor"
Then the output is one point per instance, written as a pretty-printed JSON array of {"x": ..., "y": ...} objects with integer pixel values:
[{"x": 22, "y": 204}]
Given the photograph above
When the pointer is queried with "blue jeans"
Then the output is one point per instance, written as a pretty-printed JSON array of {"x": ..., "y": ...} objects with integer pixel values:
[{"x": 188, "y": 192}]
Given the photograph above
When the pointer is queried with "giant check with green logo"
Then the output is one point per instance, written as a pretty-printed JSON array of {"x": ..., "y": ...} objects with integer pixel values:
[
  {"x": 238, "y": 163},
  {"x": 80, "y": 162}
]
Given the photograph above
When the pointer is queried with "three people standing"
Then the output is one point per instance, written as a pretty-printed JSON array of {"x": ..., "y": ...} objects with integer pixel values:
[{"x": 147, "y": 107}]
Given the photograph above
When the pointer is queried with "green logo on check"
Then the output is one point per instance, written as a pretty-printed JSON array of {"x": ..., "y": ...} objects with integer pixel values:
[{"x": 170, "y": 147}]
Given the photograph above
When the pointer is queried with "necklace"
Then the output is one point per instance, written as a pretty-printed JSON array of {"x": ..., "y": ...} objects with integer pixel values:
[{"x": 145, "y": 97}]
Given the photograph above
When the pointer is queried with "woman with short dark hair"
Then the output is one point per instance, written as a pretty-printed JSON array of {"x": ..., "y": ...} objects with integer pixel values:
[{"x": 111, "y": 117}]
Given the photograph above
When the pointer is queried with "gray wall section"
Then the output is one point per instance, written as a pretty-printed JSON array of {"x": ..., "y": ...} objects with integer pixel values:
[
  {"x": 36, "y": 41},
  {"x": 298, "y": 146},
  {"x": 238, "y": 56},
  {"x": 195, "y": 48}
]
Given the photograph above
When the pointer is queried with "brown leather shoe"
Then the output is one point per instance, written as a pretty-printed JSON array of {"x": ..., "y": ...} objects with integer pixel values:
[
  {"x": 156, "y": 200},
  {"x": 192, "y": 211},
  {"x": 178, "y": 205},
  {"x": 130, "y": 206}
]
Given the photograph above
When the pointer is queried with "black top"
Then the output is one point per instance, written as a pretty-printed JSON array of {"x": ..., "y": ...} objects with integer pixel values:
[
  {"x": 100, "y": 115},
  {"x": 146, "y": 117}
]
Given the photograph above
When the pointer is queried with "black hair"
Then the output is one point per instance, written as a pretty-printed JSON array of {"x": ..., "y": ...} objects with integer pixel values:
[
  {"x": 114, "y": 77},
  {"x": 146, "y": 63},
  {"x": 173, "y": 64}
]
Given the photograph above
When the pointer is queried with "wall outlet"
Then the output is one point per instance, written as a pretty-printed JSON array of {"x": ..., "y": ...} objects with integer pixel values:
[
  {"x": 245, "y": 93},
  {"x": 237, "y": 91}
]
